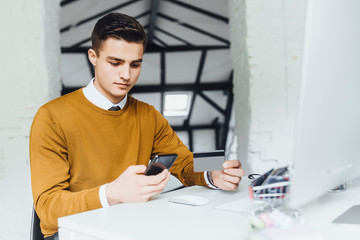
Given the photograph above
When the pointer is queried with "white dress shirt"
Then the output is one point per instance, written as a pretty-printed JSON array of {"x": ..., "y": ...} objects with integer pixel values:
[{"x": 96, "y": 98}]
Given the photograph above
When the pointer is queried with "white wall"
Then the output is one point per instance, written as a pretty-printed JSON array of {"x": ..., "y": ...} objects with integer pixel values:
[
  {"x": 29, "y": 75},
  {"x": 267, "y": 38}
]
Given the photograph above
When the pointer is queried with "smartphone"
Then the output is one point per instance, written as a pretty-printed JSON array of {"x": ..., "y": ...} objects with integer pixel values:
[{"x": 159, "y": 163}]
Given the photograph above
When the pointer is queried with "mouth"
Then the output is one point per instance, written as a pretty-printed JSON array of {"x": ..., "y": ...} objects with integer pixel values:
[{"x": 122, "y": 85}]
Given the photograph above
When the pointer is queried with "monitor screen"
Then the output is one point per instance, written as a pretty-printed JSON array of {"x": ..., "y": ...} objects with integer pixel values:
[{"x": 327, "y": 138}]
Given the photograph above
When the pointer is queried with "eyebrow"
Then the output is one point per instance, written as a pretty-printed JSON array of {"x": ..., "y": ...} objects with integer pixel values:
[{"x": 122, "y": 60}]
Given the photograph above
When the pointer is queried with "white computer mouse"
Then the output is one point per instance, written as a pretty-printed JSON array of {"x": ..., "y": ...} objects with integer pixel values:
[{"x": 193, "y": 200}]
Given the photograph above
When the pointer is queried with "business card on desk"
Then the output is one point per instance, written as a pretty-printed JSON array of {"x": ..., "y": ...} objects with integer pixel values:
[{"x": 209, "y": 161}]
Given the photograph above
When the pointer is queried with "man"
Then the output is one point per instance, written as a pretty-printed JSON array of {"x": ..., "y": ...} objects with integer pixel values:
[{"x": 85, "y": 156}]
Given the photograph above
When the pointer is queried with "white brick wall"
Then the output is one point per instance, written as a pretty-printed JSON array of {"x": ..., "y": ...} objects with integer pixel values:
[
  {"x": 29, "y": 75},
  {"x": 266, "y": 47}
]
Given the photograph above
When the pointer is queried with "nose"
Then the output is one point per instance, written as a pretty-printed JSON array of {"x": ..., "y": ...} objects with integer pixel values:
[{"x": 125, "y": 72}]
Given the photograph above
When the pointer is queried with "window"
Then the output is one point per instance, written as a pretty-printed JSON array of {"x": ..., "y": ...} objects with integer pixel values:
[{"x": 177, "y": 104}]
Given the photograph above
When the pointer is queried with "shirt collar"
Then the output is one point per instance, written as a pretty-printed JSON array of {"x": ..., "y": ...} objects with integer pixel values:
[{"x": 96, "y": 98}]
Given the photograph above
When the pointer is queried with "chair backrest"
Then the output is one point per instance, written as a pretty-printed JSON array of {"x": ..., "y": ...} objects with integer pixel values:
[{"x": 35, "y": 233}]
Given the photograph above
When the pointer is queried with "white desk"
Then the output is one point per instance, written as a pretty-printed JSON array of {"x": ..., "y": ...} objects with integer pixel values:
[{"x": 160, "y": 219}]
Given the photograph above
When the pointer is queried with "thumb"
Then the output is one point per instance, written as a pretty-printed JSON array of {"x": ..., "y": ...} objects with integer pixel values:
[{"x": 137, "y": 168}]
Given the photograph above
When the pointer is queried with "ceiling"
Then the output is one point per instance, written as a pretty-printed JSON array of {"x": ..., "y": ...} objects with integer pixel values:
[{"x": 188, "y": 51}]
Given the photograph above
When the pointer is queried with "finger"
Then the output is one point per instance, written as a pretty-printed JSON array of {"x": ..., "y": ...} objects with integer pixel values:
[
  {"x": 146, "y": 197},
  {"x": 231, "y": 179},
  {"x": 229, "y": 186},
  {"x": 153, "y": 193},
  {"x": 236, "y": 172},
  {"x": 157, "y": 179},
  {"x": 166, "y": 179},
  {"x": 232, "y": 164},
  {"x": 152, "y": 190},
  {"x": 159, "y": 187}
]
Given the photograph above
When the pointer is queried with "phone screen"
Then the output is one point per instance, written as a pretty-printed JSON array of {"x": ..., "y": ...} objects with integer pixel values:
[{"x": 159, "y": 163}]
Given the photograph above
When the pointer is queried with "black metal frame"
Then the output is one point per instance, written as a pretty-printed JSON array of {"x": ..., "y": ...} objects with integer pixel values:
[{"x": 198, "y": 88}]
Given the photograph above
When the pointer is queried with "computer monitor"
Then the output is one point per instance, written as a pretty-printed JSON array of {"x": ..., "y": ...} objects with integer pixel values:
[{"x": 327, "y": 138}]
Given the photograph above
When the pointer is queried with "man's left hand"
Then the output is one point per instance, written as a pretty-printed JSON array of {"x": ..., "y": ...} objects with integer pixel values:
[{"x": 229, "y": 178}]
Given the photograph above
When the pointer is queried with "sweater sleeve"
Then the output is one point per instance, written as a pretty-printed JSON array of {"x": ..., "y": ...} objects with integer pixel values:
[
  {"x": 50, "y": 175},
  {"x": 166, "y": 141}
]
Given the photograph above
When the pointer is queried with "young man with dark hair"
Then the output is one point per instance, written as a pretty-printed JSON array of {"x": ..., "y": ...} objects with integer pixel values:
[{"x": 89, "y": 149}]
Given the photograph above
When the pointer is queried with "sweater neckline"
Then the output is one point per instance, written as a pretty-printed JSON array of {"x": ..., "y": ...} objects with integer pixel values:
[{"x": 89, "y": 104}]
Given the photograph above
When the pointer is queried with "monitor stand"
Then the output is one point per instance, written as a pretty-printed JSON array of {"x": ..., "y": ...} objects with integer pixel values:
[{"x": 350, "y": 216}]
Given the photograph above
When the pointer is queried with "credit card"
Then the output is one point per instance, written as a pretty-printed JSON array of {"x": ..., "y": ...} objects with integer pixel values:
[{"x": 209, "y": 161}]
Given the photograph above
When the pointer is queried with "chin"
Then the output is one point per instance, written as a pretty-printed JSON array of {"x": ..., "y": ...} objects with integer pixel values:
[{"x": 119, "y": 94}]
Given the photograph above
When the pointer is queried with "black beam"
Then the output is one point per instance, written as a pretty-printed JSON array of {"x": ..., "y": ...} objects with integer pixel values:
[
  {"x": 171, "y": 87},
  {"x": 228, "y": 110},
  {"x": 212, "y": 103},
  {"x": 197, "y": 83},
  {"x": 189, "y": 129},
  {"x": 227, "y": 42},
  {"x": 200, "y": 67},
  {"x": 160, "y": 41},
  {"x": 64, "y": 29},
  {"x": 162, "y": 80},
  {"x": 195, "y": 127},
  {"x": 218, "y": 140},
  {"x": 173, "y": 36},
  {"x": 200, "y": 10},
  {"x": 152, "y": 20},
  {"x": 66, "y": 90},
  {"x": 100, "y": 14},
  {"x": 153, "y": 48},
  {"x": 78, "y": 44},
  {"x": 142, "y": 14},
  {"x": 162, "y": 70},
  {"x": 215, "y": 125},
  {"x": 191, "y": 140},
  {"x": 66, "y": 2},
  {"x": 191, "y": 108},
  {"x": 67, "y": 28},
  {"x": 215, "y": 122},
  {"x": 181, "y": 87}
]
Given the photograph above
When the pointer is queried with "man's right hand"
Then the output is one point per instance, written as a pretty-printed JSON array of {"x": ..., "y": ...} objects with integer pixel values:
[{"x": 133, "y": 186}]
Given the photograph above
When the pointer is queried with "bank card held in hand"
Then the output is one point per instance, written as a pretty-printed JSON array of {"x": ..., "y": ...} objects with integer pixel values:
[{"x": 209, "y": 161}]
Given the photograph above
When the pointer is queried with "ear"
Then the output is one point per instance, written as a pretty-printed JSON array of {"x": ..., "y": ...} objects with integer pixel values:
[{"x": 92, "y": 56}]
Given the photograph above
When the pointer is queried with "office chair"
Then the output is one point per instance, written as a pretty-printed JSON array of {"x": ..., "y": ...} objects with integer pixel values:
[{"x": 35, "y": 231}]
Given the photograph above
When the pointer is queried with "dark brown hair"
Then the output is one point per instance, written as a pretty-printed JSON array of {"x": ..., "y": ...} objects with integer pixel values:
[{"x": 118, "y": 26}]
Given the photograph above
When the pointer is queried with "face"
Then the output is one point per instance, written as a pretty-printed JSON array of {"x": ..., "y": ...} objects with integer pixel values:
[{"x": 117, "y": 67}]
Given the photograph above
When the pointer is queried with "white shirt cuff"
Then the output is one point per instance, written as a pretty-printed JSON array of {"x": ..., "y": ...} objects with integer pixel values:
[
  {"x": 208, "y": 182},
  {"x": 102, "y": 195}
]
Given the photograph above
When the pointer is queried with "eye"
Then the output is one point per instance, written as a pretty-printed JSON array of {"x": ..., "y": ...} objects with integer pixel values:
[
  {"x": 135, "y": 65},
  {"x": 114, "y": 64}
]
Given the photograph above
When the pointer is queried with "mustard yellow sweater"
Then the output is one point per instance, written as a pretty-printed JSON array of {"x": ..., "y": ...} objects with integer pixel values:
[{"x": 75, "y": 147}]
